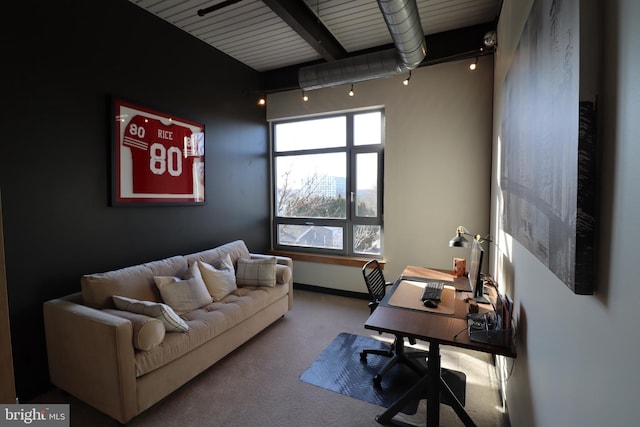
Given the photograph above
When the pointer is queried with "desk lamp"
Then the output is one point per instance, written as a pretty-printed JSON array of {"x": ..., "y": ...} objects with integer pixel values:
[
  {"x": 475, "y": 275},
  {"x": 459, "y": 241}
]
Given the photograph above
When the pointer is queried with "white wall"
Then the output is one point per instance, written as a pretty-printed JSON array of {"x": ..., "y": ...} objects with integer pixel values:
[
  {"x": 577, "y": 359},
  {"x": 440, "y": 122}
]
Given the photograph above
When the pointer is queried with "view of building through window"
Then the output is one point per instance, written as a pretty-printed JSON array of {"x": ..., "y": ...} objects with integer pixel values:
[{"x": 327, "y": 183}]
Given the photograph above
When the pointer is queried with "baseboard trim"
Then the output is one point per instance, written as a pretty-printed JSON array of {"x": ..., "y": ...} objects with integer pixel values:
[
  {"x": 331, "y": 291},
  {"x": 506, "y": 419}
]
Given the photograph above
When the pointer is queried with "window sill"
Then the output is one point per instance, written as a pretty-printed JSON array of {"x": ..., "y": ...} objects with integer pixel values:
[{"x": 347, "y": 261}]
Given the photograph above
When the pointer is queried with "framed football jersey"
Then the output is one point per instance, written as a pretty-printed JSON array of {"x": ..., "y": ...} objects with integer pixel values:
[{"x": 157, "y": 158}]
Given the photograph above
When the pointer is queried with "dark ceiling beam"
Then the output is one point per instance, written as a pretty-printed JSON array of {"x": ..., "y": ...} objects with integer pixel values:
[
  {"x": 458, "y": 44},
  {"x": 303, "y": 21},
  {"x": 442, "y": 47},
  {"x": 206, "y": 10}
]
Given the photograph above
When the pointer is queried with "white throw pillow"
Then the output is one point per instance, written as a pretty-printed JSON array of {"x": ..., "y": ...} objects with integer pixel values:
[
  {"x": 256, "y": 272},
  {"x": 184, "y": 295},
  {"x": 171, "y": 321},
  {"x": 219, "y": 283}
]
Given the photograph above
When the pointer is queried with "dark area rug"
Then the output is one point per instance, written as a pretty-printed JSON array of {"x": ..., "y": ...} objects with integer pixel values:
[{"x": 339, "y": 369}]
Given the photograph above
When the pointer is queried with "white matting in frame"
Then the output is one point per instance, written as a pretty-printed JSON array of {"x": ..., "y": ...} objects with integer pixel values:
[{"x": 158, "y": 158}]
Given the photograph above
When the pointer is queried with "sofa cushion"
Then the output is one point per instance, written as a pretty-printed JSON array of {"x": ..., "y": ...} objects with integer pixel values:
[
  {"x": 184, "y": 294},
  {"x": 208, "y": 322},
  {"x": 171, "y": 321},
  {"x": 173, "y": 266},
  {"x": 236, "y": 249},
  {"x": 256, "y": 272},
  {"x": 148, "y": 332},
  {"x": 133, "y": 282},
  {"x": 219, "y": 282}
]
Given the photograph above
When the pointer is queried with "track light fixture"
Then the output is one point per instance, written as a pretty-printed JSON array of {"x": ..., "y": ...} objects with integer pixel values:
[
  {"x": 406, "y": 81},
  {"x": 474, "y": 64},
  {"x": 305, "y": 97},
  {"x": 351, "y": 92},
  {"x": 262, "y": 101}
]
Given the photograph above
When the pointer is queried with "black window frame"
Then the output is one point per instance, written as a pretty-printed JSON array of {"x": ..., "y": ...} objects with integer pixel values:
[{"x": 351, "y": 219}]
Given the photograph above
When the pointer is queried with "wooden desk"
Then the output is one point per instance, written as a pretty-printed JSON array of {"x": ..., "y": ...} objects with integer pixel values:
[{"x": 437, "y": 329}]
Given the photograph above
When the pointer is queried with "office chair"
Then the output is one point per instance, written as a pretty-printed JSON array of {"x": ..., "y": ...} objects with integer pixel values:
[{"x": 377, "y": 287}]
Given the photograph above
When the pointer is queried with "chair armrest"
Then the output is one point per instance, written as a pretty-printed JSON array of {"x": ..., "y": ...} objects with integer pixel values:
[
  {"x": 373, "y": 305},
  {"x": 91, "y": 356}
]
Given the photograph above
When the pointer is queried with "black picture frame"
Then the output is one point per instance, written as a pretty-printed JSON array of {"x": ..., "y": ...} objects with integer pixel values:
[{"x": 157, "y": 158}]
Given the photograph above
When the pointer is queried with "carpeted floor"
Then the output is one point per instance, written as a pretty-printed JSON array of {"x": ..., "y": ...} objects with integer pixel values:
[
  {"x": 259, "y": 384},
  {"x": 339, "y": 369}
]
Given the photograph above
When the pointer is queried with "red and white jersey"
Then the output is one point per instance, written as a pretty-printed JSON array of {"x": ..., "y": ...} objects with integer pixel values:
[{"x": 162, "y": 155}]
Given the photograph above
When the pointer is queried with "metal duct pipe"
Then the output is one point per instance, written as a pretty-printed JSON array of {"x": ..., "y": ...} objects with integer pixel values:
[
  {"x": 403, "y": 21},
  {"x": 351, "y": 70}
]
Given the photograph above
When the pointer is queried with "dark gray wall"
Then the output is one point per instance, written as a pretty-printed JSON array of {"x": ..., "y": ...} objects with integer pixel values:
[{"x": 62, "y": 62}]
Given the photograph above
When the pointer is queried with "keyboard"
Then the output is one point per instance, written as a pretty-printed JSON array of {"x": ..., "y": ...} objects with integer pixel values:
[{"x": 432, "y": 290}]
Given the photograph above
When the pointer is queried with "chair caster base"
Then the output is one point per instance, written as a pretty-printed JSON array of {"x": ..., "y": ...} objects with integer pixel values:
[{"x": 377, "y": 380}]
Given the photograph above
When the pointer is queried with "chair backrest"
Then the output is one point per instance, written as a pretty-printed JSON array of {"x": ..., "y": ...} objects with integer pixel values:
[{"x": 376, "y": 284}]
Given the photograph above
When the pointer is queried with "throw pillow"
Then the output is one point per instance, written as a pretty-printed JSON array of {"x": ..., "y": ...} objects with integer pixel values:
[
  {"x": 256, "y": 272},
  {"x": 224, "y": 263},
  {"x": 171, "y": 321},
  {"x": 147, "y": 331},
  {"x": 220, "y": 283},
  {"x": 283, "y": 273},
  {"x": 184, "y": 295}
]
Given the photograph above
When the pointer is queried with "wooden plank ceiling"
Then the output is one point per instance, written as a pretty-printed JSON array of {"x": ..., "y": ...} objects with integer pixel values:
[{"x": 274, "y": 35}]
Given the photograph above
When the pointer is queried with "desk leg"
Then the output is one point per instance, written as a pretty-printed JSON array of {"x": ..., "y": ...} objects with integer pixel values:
[
  {"x": 413, "y": 393},
  {"x": 456, "y": 405},
  {"x": 434, "y": 384},
  {"x": 433, "y": 392},
  {"x": 440, "y": 386},
  {"x": 430, "y": 381}
]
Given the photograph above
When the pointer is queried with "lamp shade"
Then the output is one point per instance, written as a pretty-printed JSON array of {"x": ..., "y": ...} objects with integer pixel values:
[{"x": 459, "y": 241}]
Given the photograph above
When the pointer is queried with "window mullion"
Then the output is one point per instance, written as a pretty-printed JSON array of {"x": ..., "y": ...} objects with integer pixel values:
[{"x": 351, "y": 186}]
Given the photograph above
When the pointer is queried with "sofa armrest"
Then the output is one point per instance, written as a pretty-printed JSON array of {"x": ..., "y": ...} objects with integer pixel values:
[
  {"x": 281, "y": 260},
  {"x": 91, "y": 356}
]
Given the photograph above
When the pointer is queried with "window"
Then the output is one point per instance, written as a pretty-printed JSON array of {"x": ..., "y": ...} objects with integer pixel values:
[{"x": 327, "y": 183}]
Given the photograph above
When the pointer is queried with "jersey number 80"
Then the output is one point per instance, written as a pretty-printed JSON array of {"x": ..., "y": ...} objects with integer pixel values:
[{"x": 163, "y": 160}]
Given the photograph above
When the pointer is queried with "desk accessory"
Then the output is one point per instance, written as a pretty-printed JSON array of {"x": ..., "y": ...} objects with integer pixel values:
[
  {"x": 432, "y": 290},
  {"x": 489, "y": 327},
  {"x": 473, "y": 306},
  {"x": 408, "y": 295},
  {"x": 459, "y": 267},
  {"x": 477, "y": 252}
]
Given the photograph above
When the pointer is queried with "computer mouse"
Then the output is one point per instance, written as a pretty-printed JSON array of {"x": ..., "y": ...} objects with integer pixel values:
[{"x": 430, "y": 303}]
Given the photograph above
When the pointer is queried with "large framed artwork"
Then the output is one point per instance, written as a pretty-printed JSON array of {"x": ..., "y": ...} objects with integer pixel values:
[
  {"x": 158, "y": 158},
  {"x": 548, "y": 143}
]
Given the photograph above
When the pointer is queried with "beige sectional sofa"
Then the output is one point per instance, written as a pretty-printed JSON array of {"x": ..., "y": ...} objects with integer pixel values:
[{"x": 122, "y": 355}]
